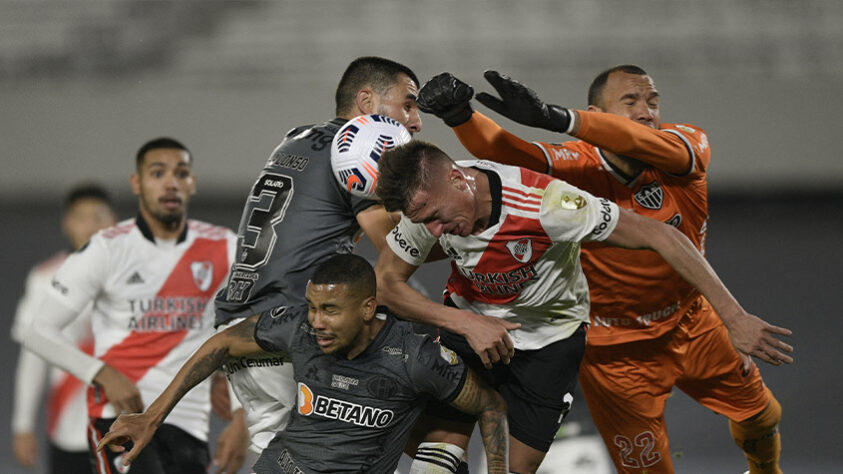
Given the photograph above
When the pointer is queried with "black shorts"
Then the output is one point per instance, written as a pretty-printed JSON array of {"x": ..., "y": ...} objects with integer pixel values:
[
  {"x": 171, "y": 451},
  {"x": 68, "y": 462},
  {"x": 538, "y": 386}
]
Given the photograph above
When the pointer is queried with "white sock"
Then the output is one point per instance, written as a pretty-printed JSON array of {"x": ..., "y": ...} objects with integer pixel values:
[{"x": 437, "y": 458}]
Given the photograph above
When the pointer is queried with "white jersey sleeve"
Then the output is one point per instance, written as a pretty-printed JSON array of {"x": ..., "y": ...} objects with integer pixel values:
[
  {"x": 76, "y": 283},
  {"x": 569, "y": 214},
  {"x": 31, "y": 374},
  {"x": 412, "y": 242},
  {"x": 30, "y": 379}
]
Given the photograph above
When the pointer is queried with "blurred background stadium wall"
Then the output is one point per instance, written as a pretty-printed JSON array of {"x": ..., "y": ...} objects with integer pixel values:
[{"x": 84, "y": 83}]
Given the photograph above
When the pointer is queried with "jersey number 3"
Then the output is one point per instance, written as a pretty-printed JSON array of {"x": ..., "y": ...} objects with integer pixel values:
[{"x": 268, "y": 202}]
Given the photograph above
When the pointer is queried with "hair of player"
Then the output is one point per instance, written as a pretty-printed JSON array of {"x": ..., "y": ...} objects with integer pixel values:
[
  {"x": 378, "y": 73},
  {"x": 405, "y": 170},
  {"x": 87, "y": 191},
  {"x": 157, "y": 144},
  {"x": 599, "y": 82},
  {"x": 347, "y": 269}
]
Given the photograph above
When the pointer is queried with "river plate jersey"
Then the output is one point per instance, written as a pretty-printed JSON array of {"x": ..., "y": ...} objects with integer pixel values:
[
  {"x": 152, "y": 307},
  {"x": 355, "y": 415},
  {"x": 525, "y": 266},
  {"x": 66, "y": 406},
  {"x": 635, "y": 294},
  {"x": 296, "y": 216}
]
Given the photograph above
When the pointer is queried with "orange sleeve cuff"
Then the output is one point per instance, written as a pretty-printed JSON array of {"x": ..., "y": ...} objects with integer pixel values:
[{"x": 486, "y": 140}]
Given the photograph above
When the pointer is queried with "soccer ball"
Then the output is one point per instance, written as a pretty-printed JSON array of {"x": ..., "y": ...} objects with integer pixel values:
[{"x": 358, "y": 146}]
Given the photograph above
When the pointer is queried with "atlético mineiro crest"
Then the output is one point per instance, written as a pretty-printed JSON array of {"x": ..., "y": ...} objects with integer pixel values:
[
  {"x": 203, "y": 274},
  {"x": 521, "y": 250},
  {"x": 650, "y": 196}
]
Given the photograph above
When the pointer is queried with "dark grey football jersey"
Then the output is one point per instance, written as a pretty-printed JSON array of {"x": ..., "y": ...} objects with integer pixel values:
[
  {"x": 296, "y": 216},
  {"x": 355, "y": 415}
]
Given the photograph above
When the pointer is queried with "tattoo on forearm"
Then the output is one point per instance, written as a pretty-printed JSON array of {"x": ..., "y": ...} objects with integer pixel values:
[
  {"x": 244, "y": 330},
  {"x": 201, "y": 370},
  {"x": 479, "y": 399}
]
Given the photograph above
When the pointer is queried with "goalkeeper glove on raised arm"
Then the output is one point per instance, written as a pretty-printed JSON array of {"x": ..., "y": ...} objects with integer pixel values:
[
  {"x": 448, "y": 98},
  {"x": 521, "y": 104}
]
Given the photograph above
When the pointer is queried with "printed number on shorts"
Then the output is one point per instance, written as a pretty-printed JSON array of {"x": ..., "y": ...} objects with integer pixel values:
[
  {"x": 646, "y": 441},
  {"x": 267, "y": 204}
]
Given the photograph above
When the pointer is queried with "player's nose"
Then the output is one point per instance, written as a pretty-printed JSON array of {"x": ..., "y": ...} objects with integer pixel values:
[
  {"x": 435, "y": 228},
  {"x": 414, "y": 124}
]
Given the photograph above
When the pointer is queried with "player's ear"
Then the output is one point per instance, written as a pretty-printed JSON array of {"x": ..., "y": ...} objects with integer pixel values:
[
  {"x": 593, "y": 108},
  {"x": 368, "y": 307},
  {"x": 134, "y": 181},
  {"x": 366, "y": 101},
  {"x": 456, "y": 178}
]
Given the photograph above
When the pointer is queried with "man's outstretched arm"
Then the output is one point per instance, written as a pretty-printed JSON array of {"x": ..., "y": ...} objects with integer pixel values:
[
  {"x": 477, "y": 398},
  {"x": 749, "y": 334},
  {"x": 236, "y": 341},
  {"x": 485, "y": 334}
]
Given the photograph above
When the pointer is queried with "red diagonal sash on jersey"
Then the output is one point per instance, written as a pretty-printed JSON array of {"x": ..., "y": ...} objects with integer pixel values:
[
  {"x": 498, "y": 276},
  {"x": 65, "y": 390},
  {"x": 142, "y": 350}
]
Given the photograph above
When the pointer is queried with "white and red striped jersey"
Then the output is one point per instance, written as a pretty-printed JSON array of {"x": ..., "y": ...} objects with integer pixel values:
[
  {"x": 152, "y": 308},
  {"x": 66, "y": 405},
  {"x": 525, "y": 267}
]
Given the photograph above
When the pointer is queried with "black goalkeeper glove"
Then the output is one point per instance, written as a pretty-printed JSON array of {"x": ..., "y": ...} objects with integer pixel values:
[
  {"x": 521, "y": 104},
  {"x": 448, "y": 98}
]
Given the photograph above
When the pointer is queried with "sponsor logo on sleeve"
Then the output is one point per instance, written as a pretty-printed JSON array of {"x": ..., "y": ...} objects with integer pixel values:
[
  {"x": 58, "y": 286},
  {"x": 686, "y": 128},
  {"x": 605, "y": 217},
  {"x": 564, "y": 154},
  {"x": 403, "y": 244}
]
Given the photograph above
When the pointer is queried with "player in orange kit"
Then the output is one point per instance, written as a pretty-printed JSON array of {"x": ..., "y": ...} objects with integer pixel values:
[{"x": 650, "y": 330}]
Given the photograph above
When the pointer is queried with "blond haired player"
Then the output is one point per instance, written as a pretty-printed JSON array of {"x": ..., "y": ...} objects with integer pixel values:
[{"x": 650, "y": 330}]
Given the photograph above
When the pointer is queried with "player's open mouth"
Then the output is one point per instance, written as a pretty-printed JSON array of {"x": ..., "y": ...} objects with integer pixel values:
[{"x": 323, "y": 340}]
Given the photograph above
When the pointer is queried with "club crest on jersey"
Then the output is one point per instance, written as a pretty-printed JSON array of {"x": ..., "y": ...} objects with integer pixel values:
[
  {"x": 203, "y": 274},
  {"x": 310, "y": 404},
  {"x": 521, "y": 250},
  {"x": 650, "y": 196}
]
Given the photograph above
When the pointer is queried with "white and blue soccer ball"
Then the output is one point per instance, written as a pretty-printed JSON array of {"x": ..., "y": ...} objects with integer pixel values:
[{"x": 358, "y": 146}]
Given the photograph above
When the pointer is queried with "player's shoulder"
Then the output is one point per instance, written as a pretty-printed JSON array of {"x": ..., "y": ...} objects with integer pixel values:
[
  {"x": 117, "y": 231},
  {"x": 50, "y": 265},
  {"x": 330, "y": 125},
  {"x": 209, "y": 231},
  {"x": 117, "y": 238},
  {"x": 302, "y": 144}
]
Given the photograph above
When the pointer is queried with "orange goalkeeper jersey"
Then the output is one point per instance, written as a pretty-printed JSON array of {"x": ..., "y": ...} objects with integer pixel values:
[{"x": 635, "y": 294}]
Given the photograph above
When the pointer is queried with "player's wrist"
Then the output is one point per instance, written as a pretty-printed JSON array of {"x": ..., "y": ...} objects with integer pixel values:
[
  {"x": 560, "y": 119},
  {"x": 458, "y": 115}
]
